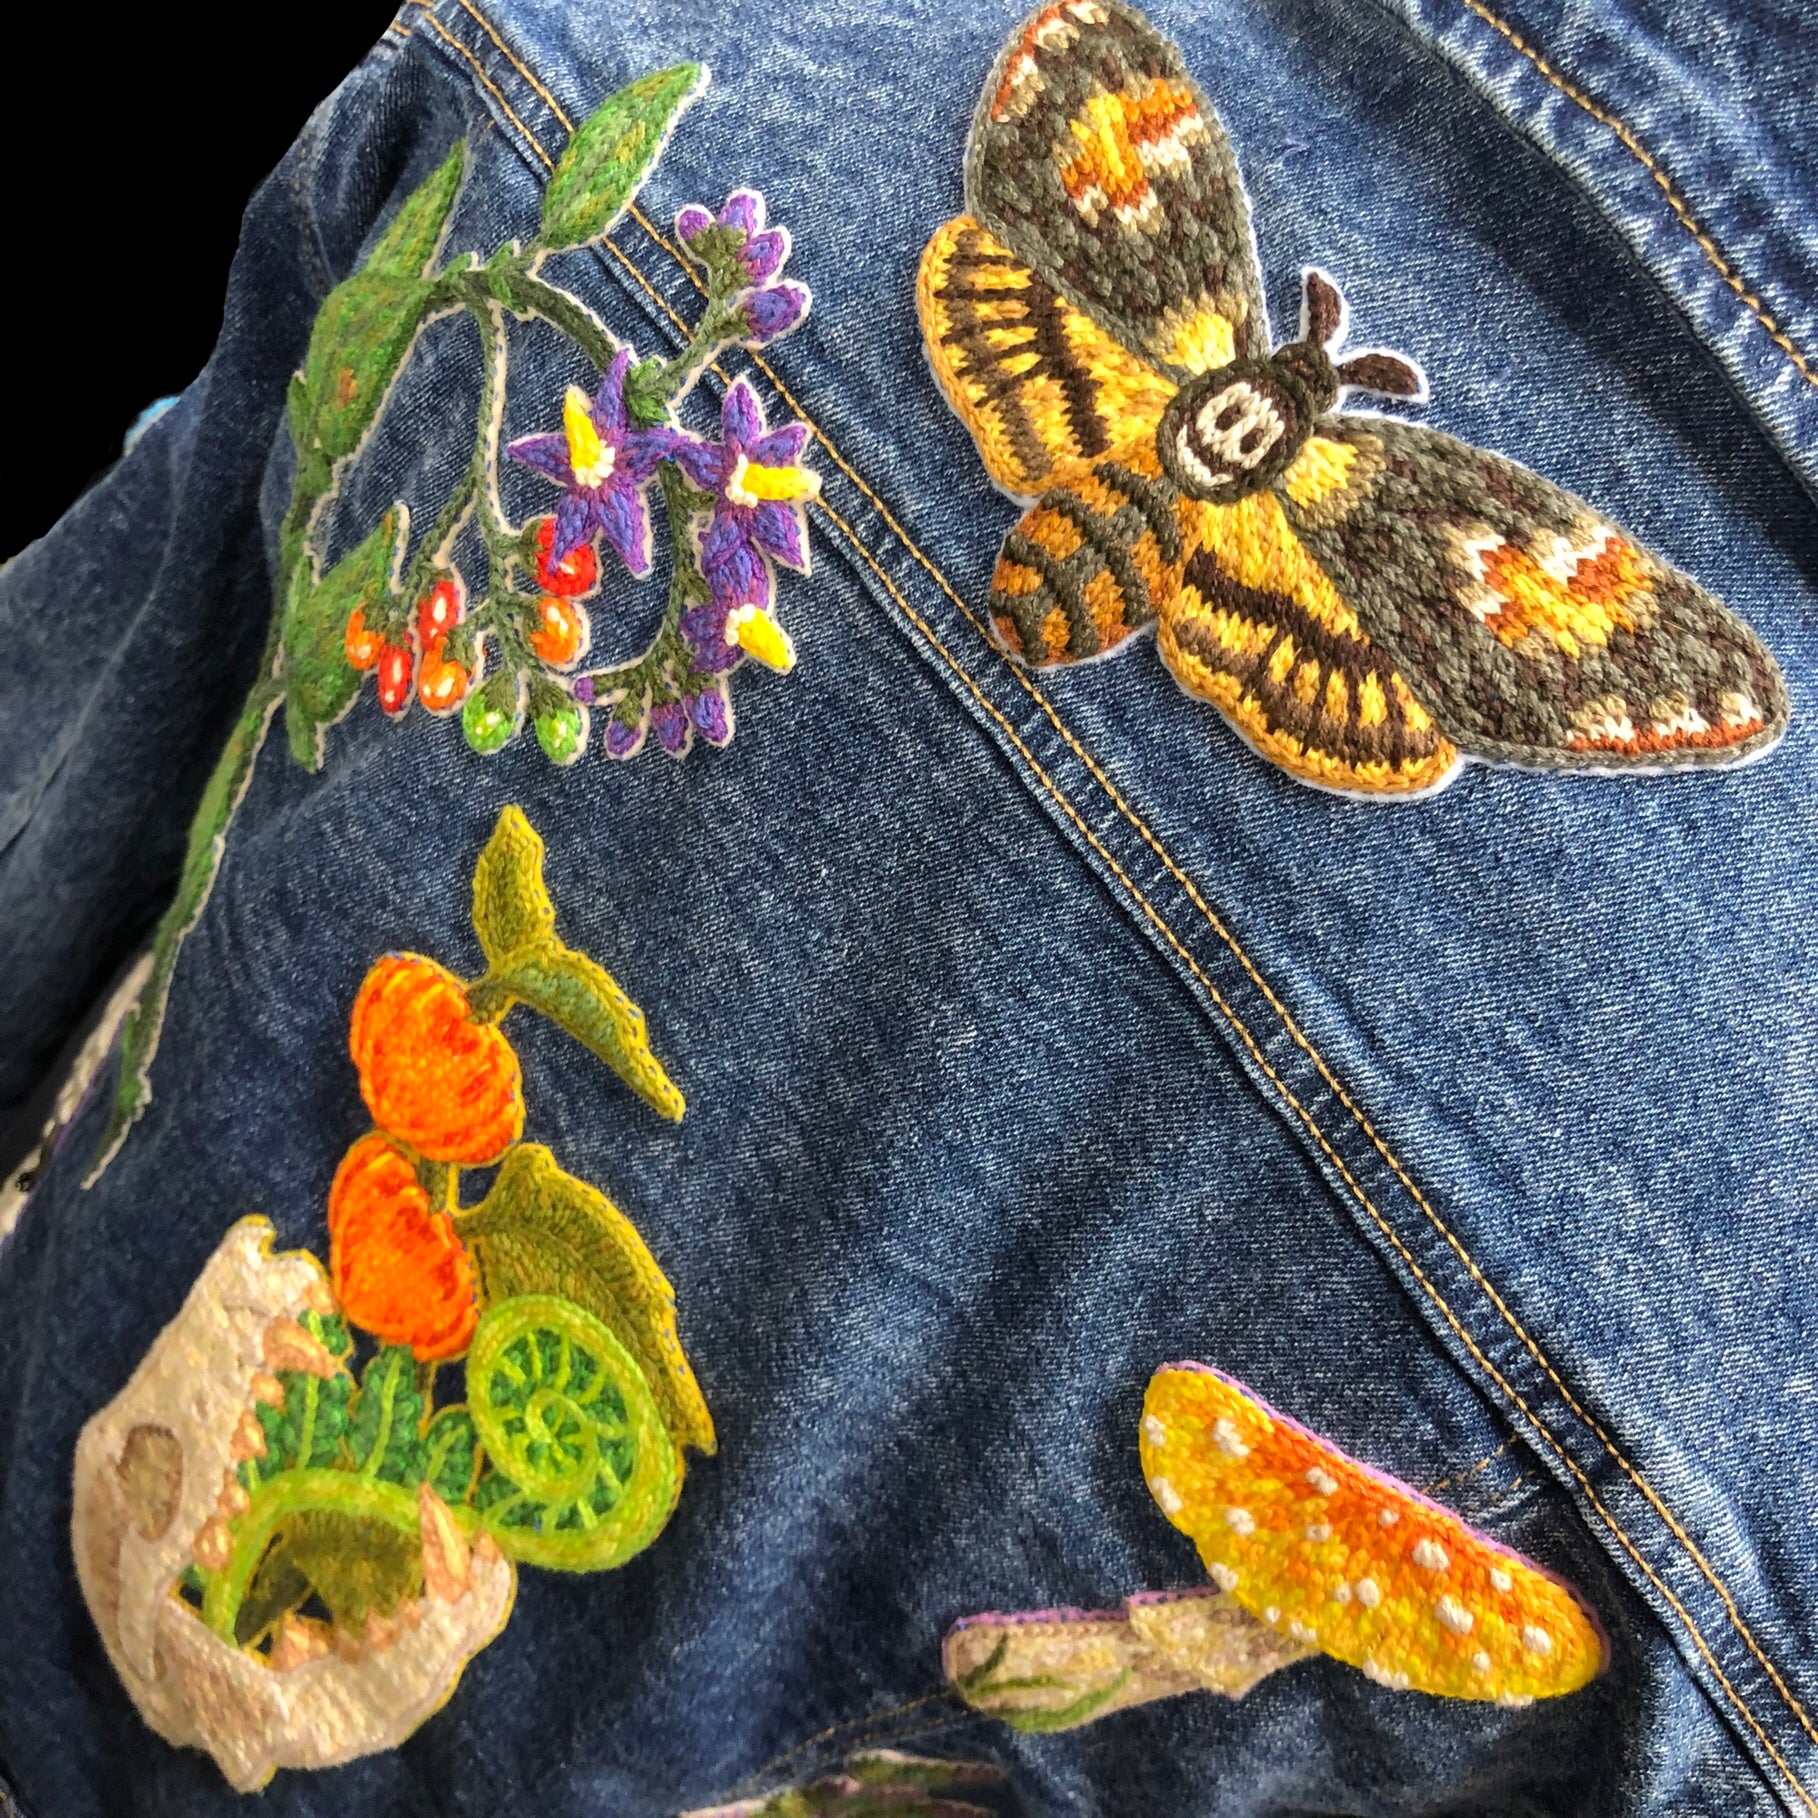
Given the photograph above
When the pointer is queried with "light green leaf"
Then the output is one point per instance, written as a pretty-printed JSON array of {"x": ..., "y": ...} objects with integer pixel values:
[
  {"x": 612, "y": 152},
  {"x": 511, "y": 908},
  {"x": 541, "y": 1231},
  {"x": 570, "y": 989},
  {"x": 319, "y": 682},
  {"x": 361, "y": 335},
  {"x": 407, "y": 246}
]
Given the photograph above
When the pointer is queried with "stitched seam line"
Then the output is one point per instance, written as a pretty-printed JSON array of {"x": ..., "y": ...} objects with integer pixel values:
[
  {"x": 1668, "y": 188},
  {"x": 1217, "y": 997}
]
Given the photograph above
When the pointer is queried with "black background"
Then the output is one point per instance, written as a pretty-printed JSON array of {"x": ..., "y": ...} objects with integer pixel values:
[{"x": 136, "y": 144}]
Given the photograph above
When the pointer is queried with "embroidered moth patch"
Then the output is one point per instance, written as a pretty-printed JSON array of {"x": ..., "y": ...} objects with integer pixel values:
[
  {"x": 305, "y": 1511},
  {"x": 498, "y": 621},
  {"x": 1311, "y": 1552},
  {"x": 1366, "y": 601}
]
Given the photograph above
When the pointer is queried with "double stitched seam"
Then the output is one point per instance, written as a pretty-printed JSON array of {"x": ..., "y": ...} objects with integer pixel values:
[
  {"x": 1682, "y": 209},
  {"x": 1224, "y": 1007}
]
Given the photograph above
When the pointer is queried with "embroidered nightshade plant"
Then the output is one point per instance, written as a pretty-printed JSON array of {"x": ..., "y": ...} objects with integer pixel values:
[
  {"x": 305, "y": 1512},
  {"x": 511, "y": 638}
]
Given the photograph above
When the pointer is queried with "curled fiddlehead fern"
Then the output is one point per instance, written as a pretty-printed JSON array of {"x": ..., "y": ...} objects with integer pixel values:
[{"x": 583, "y": 1473}]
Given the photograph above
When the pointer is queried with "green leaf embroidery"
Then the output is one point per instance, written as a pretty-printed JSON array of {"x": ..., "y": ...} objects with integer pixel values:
[
  {"x": 541, "y": 1231},
  {"x": 319, "y": 682},
  {"x": 451, "y": 1455},
  {"x": 362, "y": 333},
  {"x": 384, "y": 1437},
  {"x": 511, "y": 907},
  {"x": 608, "y": 157},
  {"x": 409, "y": 245}
]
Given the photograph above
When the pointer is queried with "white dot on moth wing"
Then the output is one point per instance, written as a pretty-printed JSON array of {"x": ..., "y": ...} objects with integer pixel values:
[
  {"x": 1453, "y": 1615},
  {"x": 1323, "y": 1481},
  {"x": 1431, "y": 1555},
  {"x": 1500, "y": 1579},
  {"x": 1480, "y": 1662},
  {"x": 1224, "y": 1576},
  {"x": 1319, "y": 1530},
  {"x": 1224, "y": 1436},
  {"x": 1240, "y": 1521},
  {"x": 1367, "y": 1593},
  {"x": 1341, "y": 1592},
  {"x": 1301, "y": 1632},
  {"x": 1165, "y": 1493},
  {"x": 1154, "y": 1431},
  {"x": 1514, "y": 1701},
  {"x": 1272, "y": 1614},
  {"x": 1388, "y": 1517},
  {"x": 1535, "y": 1639}
]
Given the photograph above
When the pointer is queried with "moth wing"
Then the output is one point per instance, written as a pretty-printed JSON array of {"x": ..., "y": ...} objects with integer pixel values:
[
  {"x": 1045, "y": 392},
  {"x": 1095, "y": 158},
  {"x": 1257, "y": 629},
  {"x": 1091, "y": 562},
  {"x": 1533, "y": 629}
]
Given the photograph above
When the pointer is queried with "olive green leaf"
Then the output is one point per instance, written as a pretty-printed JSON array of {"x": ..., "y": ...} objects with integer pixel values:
[
  {"x": 319, "y": 682},
  {"x": 541, "y": 1231},
  {"x": 355, "y": 1564},
  {"x": 408, "y": 245},
  {"x": 610, "y": 154},
  {"x": 511, "y": 908}
]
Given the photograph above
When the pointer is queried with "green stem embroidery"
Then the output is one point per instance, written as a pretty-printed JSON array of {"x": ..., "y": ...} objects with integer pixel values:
[{"x": 511, "y": 653}]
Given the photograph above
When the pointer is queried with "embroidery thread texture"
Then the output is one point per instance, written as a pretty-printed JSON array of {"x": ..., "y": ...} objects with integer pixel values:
[
  {"x": 1311, "y": 1552},
  {"x": 291, "y": 1531},
  {"x": 877, "y": 1781},
  {"x": 1368, "y": 602},
  {"x": 493, "y": 620}
]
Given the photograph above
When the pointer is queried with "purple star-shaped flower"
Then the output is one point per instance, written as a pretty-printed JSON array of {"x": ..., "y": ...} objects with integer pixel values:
[
  {"x": 759, "y": 489},
  {"x": 603, "y": 466}
]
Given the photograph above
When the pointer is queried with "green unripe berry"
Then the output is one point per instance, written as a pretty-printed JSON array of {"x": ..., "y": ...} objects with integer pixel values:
[
  {"x": 490, "y": 716},
  {"x": 561, "y": 733}
]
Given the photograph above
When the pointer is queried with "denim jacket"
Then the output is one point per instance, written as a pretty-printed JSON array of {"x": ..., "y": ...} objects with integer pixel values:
[{"x": 1034, "y": 1031}]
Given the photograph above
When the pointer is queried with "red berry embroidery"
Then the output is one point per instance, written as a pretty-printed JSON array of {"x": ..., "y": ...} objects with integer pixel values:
[
  {"x": 438, "y": 612},
  {"x": 362, "y": 644},
  {"x": 557, "y": 638},
  {"x": 577, "y": 573},
  {"x": 395, "y": 666}
]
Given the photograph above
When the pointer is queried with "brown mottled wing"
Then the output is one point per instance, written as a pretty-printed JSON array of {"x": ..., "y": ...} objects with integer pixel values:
[
  {"x": 1090, "y": 562},
  {"x": 1257, "y": 629},
  {"x": 1099, "y": 163},
  {"x": 1534, "y": 630}
]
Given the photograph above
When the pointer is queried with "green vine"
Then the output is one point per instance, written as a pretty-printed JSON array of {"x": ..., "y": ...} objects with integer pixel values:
[{"x": 500, "y": 638}]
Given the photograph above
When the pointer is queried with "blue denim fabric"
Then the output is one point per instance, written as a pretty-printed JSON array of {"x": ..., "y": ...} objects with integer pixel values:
[{"x": 1035, "y": 1033}]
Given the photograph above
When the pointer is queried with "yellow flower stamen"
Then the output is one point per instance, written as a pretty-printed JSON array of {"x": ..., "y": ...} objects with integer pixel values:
[
  {"x": 761, "y": 638},
  {"x": 591, "y": 459},
  {"x": 752, "y": 484}
]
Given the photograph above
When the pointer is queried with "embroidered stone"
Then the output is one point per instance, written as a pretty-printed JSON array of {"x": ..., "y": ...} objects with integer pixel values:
[
  {"x": 291, "y": 1529},
  {"x": 501, "y": 640},
  {"x": 1366, "y": 601}
]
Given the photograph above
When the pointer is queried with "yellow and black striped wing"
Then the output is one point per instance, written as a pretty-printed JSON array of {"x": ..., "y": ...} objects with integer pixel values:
[
  {"x": 1257, "y": 629},
  {"x": 1090, "y": 562},
  {"x": 1045, "y": 392}
]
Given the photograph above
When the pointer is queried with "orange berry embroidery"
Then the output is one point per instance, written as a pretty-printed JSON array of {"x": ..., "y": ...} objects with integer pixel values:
[
  {"x": 560, "y": 630},
  {"x": 1342, "y": 1558},
  {"x": 442, "y": 684},
  {"x": 361, "y": 644},
  {"x": 398, "y": 1268},
  {"x": 445, "y": 1084}
]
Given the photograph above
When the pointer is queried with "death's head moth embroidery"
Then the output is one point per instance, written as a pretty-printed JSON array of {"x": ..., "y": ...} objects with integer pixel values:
[{"x": 1367, "y": 601}]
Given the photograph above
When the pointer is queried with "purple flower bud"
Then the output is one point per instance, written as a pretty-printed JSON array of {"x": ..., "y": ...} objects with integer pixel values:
[
  {"x": 622, "y": 740},
  {"x": 708, "y": 711},
  {"x": 744, "y": 210},
  {"x": 764, "y": 254},
  {"x": 583, "y": 690},
  {"x": 670, "y": 722},
  {"x": 775, "y": 310},
  {"x": 692, "y": 222}
]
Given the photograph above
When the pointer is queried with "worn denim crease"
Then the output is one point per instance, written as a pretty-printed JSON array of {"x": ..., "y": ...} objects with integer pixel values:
[
  {"x": 1675, "y": 198},
  {"x": 1244, "y": 1034}
]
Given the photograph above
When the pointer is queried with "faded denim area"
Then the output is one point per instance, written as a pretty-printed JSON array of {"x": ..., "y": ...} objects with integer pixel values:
[{"x": 1035, "y": 1032}]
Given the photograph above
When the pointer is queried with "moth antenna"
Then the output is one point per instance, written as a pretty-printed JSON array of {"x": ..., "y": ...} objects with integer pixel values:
[
  {"x": 1383, "y": 374},
  {"x": 1322, "y": 308}
]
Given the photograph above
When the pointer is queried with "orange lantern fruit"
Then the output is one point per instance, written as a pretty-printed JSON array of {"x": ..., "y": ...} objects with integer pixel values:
[
  {"x": 432, "y": 1076},
  {"x": 399, "y": 1270}
]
